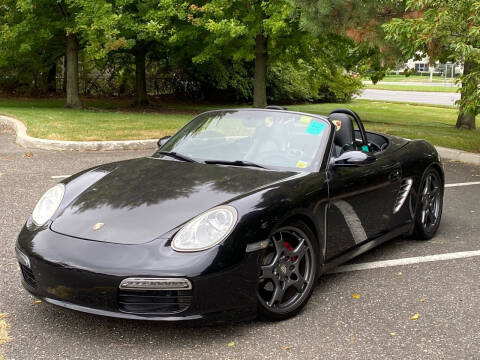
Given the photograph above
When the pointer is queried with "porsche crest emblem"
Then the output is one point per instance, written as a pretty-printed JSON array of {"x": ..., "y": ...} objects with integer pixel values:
[
  {"x": 97, "y": 226},
  {"x": 338, "y": 124}
]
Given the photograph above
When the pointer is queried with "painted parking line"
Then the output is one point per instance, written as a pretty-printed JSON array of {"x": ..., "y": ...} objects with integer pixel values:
[
  {"x": 404, "y": 261},
  {"x": 60, "y": 176},
  {"x": 463, "y": 184}
]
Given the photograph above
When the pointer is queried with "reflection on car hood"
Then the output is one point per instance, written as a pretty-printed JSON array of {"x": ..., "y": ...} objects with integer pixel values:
[{"x": 144, "y": 198}]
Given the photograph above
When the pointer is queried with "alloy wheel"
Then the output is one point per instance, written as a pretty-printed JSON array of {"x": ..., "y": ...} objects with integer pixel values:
[
  {"x": 287, "y": 272},
  {"x": 430, "y": 202}
]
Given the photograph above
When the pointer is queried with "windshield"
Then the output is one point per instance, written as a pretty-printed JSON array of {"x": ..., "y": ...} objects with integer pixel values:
[{"x": 270, "y": 139}]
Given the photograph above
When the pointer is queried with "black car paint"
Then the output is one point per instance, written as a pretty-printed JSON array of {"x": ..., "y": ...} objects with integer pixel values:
[
  {"x": 135, "y": 199},
  {"x": 83, "y": 271}
]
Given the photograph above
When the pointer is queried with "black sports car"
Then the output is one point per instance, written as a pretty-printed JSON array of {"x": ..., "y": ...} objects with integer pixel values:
[{"x": 234, "y": 216}]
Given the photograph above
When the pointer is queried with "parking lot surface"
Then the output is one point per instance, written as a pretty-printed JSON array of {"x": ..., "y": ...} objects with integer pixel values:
[{"x": 366, "y": 314}]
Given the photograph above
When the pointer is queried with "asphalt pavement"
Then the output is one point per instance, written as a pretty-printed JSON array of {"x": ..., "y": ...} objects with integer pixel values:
[
  {"x": 422, "y": 97},
  {"x": 376, "y": 323}
]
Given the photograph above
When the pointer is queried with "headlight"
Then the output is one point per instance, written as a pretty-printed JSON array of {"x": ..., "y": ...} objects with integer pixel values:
[
  {"x": 206, "y": 230},
  {"x": 48, "y": 204}
]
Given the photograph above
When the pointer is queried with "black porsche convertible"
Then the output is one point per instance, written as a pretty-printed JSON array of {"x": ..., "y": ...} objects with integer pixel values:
[{"x": 234, "y": 216}]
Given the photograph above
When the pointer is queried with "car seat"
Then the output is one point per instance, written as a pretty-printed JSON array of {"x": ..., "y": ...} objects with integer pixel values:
[{"x": 344, "y": 133}]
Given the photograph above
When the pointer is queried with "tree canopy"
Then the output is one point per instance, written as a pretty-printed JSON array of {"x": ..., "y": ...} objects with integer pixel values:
[
  {"x": 243, "y": 50},
  {"x": 237, "y": 49},
  {"x": 446, "y": 30}
]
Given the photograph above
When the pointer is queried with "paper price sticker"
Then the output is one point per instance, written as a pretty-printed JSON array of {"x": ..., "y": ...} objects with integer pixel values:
[{"x": 301, "y": 164}]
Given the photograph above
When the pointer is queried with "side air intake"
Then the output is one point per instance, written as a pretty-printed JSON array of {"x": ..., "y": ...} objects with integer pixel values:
[{"x": 402, "y": 194}]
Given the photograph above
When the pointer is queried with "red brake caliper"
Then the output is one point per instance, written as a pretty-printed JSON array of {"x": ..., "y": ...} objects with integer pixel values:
[{"x": 289, "y": 247}]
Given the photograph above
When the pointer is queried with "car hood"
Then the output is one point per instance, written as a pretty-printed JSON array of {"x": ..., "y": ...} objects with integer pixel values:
[{"x": 139, "y": 200}]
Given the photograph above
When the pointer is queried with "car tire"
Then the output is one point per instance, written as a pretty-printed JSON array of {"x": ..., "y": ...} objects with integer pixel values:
[
  {"x": 288, "y": 272},
  {"x": 429, "y": 206}
]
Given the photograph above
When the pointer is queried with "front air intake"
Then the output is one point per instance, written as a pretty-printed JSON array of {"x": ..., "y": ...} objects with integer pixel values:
[
  {"x": 154, "y": 302},
  {"x": 402, "y": 194},
  {"x": 28, "y": 276}
]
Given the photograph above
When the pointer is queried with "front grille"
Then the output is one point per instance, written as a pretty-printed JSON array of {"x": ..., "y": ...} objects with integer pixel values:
[
  {"x": 28, "y": 276},
  {"x": 154, "y": 302}
]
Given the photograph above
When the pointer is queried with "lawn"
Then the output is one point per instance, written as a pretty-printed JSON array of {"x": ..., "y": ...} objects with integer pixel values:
[
  {"x": 414, "y": 121},
  {"x": 101, "y": 120},
  {"x": 116, "y": 120},
  {"x": 413, "y": 87}
]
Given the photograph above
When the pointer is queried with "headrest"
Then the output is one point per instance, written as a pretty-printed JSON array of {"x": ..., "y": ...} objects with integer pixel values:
[{"x": 344, "y": 132}]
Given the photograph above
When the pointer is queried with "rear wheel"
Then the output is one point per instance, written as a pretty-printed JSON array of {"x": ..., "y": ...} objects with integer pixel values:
[
  {"x": 429, "y": 208},
  {"x": 288, "y": 272}
]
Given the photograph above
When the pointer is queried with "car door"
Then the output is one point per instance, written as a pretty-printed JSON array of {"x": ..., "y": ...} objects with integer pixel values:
[{"x": 361, "y": 201}]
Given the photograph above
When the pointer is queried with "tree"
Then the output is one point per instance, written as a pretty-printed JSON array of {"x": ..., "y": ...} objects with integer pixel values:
[
  {"x": 86, "y": 24},
  {"x": 142, "y": 28},
  {"x": 445, "y": 30},
  {"x": 30, "y": 44},
  {"x": 247, "y": 30},
  {"x": 42, "y": 31},
  {"x": 362, "y": 22}
]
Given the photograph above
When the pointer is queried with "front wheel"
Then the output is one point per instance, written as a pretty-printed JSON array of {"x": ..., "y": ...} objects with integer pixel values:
[
  {"x": 288, "y": 272},
  {"x": 429, "y": 208}
]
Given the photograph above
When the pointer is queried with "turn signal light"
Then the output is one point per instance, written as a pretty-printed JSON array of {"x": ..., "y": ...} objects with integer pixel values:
[{"x": 155, "y": 284}]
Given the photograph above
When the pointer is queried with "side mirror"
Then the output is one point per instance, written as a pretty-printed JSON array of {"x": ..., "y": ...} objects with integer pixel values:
[
  {"x": 162, "y": 141},
  {"x": 353, "y": 158}
]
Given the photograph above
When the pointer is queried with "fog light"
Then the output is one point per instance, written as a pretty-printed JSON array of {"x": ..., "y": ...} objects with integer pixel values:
[
  {"x": 22, "y": 258},
  {"x": 155, "y": 284}
]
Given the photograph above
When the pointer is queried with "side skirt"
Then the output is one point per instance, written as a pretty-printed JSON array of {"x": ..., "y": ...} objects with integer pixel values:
[{"x": 360, "y": 249}]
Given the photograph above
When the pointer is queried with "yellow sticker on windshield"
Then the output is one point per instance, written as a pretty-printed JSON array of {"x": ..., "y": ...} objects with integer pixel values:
[
  {"x": 305, "y": 119},
  {"x": 301, "y": 164}
]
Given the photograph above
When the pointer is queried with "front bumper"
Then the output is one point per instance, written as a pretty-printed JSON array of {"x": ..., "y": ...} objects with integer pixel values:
[{"x": 85, "y": 276}]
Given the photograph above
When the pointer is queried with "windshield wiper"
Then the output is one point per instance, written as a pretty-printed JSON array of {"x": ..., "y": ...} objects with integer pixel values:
[
  {"x": 177, "y": 156},
  {"x": 235, "y": 163}
]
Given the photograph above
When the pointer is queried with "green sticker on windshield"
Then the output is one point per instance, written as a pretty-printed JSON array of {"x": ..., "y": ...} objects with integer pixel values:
[
  {"x": 315, "y": 128},
  {"x": 304, "y": 119}
]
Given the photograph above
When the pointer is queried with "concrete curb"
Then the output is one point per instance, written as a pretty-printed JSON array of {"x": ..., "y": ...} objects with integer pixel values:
[
  {"x": 27, "y": 141},
  {"x": 458, "y": 155}
]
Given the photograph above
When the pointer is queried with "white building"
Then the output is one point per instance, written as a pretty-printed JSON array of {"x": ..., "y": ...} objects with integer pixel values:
[{"x": 423, "y": 67}]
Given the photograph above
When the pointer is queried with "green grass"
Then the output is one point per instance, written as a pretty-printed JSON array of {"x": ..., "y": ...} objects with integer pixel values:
[
  {"x": 101, "y": 120},
  {"x": 413, "y": 121},
  {"x": 413, "y": 87},
  {"x": 116, "y": 120}
]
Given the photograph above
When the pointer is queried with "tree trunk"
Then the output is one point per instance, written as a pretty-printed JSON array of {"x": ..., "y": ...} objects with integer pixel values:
[
  {"x": 73, "y": 99},
  {"x": 141, "y": 98},
  {"x": 465, "y": 119},
  {"x": 260, "y": 84},
  {"x": 64, "y": 83},
  {"x": 52, "y": 78}
]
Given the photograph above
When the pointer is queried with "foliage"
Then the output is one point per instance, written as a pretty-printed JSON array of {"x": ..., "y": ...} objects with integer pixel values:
[
  {"x": 300, "y": 66},
  {"x": 362, "y": 22},
  {"x": 28, "y": 43},
  {"x": 446, "y": 30},
  {"x": 33, "y": 35},
  {"x": 204, "y": 50}
]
